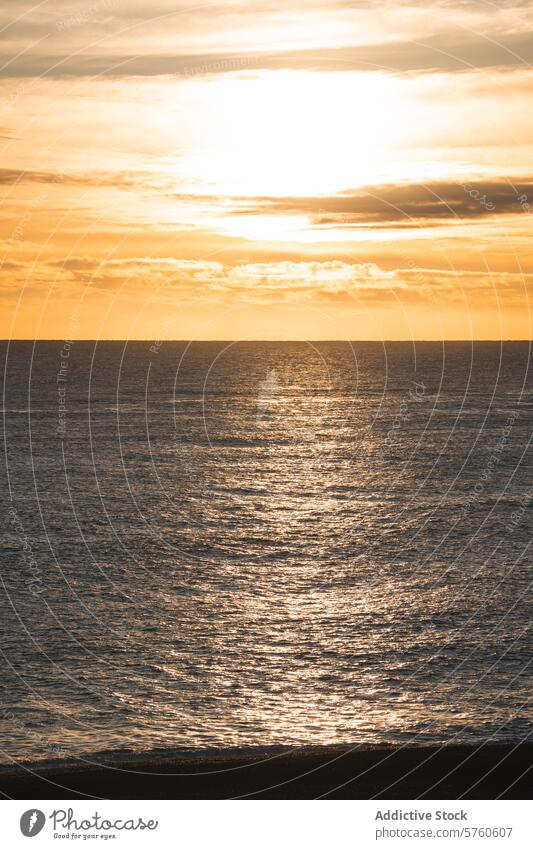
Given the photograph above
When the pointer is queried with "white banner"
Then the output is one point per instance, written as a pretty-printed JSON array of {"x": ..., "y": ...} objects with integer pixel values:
[{"x": 265, "y": 824}]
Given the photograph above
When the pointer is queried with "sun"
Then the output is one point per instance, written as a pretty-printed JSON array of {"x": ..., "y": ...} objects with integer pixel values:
[{"x": 283, "y": 133}]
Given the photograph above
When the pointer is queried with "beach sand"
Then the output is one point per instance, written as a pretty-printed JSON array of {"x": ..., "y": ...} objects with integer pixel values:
[{"x": 407, "y": 772}]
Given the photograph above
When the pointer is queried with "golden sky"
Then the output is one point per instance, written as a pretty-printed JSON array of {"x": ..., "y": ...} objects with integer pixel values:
[{"x": 350, "y": 170}]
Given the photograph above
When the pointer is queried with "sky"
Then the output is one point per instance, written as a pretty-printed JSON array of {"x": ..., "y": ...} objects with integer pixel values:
[{"x": 233, "y": 170}]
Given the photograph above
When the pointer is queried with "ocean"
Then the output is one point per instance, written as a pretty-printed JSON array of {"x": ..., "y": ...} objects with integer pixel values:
[{"x": 218, "y": 545}]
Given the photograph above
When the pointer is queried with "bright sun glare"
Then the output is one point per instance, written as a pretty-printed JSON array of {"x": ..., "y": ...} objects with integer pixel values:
[{"x": 298, "y": 133}]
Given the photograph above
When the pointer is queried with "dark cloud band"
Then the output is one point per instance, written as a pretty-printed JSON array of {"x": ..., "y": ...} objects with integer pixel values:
[{"x": 446, "y": 52}]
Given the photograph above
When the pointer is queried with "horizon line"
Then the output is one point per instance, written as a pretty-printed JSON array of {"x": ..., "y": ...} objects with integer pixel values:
[{"x": 160, "y": 343}]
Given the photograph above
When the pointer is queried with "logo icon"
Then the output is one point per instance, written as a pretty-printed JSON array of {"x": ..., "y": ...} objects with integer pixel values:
[{"x": 32, "y": 822}]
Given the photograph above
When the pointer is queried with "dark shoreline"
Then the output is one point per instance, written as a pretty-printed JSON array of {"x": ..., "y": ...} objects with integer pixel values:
[{"x": 337, "y": 772}]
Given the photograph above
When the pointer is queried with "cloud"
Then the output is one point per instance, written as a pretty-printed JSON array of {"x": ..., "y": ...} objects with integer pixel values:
[
  {"x": 390, "y": 203},
  {"x": 116, "y": 37},
  {"x": 123, "y": 179},
  {"x": 403, "y": 202},
  {"x": 448, "y": 52},
  {"x": 337, "y": 283},
  {"x": 119, "y": 65}
]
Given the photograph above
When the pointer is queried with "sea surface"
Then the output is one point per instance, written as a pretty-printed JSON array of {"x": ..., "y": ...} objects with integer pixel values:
[{"x": 228, "y": 544}]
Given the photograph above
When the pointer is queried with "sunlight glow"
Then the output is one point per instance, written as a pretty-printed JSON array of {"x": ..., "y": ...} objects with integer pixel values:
[{"x": 299, "y": 133}]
